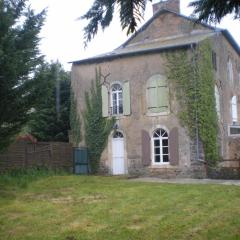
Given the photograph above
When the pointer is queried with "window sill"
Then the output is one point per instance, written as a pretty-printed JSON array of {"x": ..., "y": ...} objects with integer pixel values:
[
  {"x": 149, "y": 114},
  {"x": 120, "y": 116},
  {"x": 163, "y": 165}
]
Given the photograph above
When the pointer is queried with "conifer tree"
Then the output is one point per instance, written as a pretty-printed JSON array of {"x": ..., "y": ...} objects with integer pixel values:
[
  {"x": 19, "y": 56},
  {"x": 131, "y": 13}
]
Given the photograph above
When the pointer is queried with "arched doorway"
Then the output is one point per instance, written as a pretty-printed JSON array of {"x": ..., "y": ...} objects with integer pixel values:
[{"x": 118, "y": 153}]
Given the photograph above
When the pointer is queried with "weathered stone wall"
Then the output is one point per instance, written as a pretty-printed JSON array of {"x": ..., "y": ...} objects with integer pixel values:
[
  {"x": 227, "y": 89},
  {"x": 167, "y": 26},
  {"x": 136, "y": 70}
]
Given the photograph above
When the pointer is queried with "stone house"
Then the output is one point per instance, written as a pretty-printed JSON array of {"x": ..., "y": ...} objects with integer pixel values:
[{"x": 149, "y": 138}]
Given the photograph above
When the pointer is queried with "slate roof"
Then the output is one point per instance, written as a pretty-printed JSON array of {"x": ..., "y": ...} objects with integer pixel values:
[{"x": 161, "y": 44}]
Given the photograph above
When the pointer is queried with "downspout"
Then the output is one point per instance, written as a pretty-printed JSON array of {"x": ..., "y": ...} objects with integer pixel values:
[{"x": 193, "y": 48}]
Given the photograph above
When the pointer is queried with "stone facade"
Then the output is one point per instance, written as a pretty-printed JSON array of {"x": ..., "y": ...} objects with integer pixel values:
[{"x": 136, "y": 61}]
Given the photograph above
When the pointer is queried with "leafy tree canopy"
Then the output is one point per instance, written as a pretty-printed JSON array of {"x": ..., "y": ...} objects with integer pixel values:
[
  {"x": 132, "y": 12},
  {"x": 19, "y": 56},
  {"x": 50, "y": 118}
]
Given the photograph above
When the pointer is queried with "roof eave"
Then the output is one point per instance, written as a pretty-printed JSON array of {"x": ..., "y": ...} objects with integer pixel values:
[
  {"x": 231, "y": 40},
  {"x": 132, "y": 54}
]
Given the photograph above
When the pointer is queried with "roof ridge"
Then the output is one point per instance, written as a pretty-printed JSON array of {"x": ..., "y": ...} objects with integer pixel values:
[{"x": 157, "y": 14}]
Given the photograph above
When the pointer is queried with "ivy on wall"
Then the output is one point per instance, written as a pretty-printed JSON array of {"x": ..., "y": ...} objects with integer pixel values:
[
  {"x": 75, "y": 124},
  {"x": 192, "y": 76},
  {"x": 97, "y": 128}
]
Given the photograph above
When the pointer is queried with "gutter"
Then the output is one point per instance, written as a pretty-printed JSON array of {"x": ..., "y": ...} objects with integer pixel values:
[{"x": 113, "y": 56}]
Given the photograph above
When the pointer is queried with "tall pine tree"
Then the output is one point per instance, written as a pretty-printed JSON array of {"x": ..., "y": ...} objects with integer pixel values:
[{"x": 19, "y": 56}]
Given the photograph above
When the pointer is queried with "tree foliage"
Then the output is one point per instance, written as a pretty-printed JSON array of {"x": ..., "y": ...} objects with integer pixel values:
[
  {"x": 50, "y": 119},
  {"x": 19, "y": 55},
  {"x": 132, "y": 12},
  {"x": 101, "y": 14},
  {"x": 97, "y": 128},
  {"x": 215, "y": 10}
]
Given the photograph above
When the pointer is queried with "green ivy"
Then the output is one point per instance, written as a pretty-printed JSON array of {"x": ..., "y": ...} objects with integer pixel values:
[
  {"x": 97, "y": 128},
  {"x": 75, "y": 123},
  {"x": 192, "y": 77}
]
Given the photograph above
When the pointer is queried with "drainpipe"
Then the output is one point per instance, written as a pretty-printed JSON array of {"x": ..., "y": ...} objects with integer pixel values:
[{"x": 193, "y": 46}]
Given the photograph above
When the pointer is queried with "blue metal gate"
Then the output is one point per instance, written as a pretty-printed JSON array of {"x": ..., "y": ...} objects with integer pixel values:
[{"x": 81, "y": 163}]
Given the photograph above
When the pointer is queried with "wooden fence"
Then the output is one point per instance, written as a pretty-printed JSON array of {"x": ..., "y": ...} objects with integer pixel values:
[{"x": 23, "y": 154}]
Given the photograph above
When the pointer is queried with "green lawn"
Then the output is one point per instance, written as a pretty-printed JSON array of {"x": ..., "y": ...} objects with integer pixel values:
[{"x": 76, "y": 207}]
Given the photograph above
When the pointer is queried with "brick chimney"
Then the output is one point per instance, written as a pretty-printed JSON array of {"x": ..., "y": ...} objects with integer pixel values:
[{"x": 172, "y": 5}]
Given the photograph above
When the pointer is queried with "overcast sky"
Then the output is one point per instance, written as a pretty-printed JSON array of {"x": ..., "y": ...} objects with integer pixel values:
[{"x": 62, "y": 34}]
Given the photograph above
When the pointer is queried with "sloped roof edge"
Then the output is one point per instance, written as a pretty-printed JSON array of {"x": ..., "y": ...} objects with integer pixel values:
[
  {"x": 156, "y": 15},
  {"x": 225, "y": 32},
  {"x": 131, "y": 54}
]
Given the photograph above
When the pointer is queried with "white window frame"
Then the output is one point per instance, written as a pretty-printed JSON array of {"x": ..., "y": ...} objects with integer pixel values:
[
  {"x": 229, "y": 131},
  {"x": 234, "y": 111},
  {"x": 119, "y": 107},
  {"x": 161, "y": 154}
]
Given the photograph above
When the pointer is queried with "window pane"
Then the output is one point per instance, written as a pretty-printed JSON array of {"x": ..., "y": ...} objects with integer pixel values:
[
  {"x": 157, "y": 150},
  {"x": 117, "y": 134},
  {"x": 114, "y": 97},
  {"x": 120, "y": 109},
  {"x": 164, "y": 133},
  {"x": 157, "y": 158},
  {"x": 165, "y": 158},
  {"x": 156, "y": 143},
  {"x": 120, "y": 95},
  {"x": 114, "y": 109},
  {"x": 165, "y": 142},
  {"x": 156, "y": 133},
  {"x": 165, "y": 150}
]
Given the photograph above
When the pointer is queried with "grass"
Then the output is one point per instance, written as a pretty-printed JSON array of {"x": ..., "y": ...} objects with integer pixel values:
[{"x": 59, "y": 207}]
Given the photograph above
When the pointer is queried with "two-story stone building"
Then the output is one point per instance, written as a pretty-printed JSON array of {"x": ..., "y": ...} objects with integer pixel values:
[{"x": 149, "y": 138}]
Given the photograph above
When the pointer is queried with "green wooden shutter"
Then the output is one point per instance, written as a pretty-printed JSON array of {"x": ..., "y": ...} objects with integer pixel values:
[
  {"x": 152, "y": 102},
  {"x": 126, "y": 99},
  {"x": 104, "y": 101},
  {"x": 162, "y": 94}
]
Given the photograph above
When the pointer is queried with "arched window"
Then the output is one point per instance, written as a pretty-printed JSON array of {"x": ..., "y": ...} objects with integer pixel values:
[
  {"x": 117, "y": 99},
  {"x": 230, "y": 70},
  {"x": 234, "y": 109},
  {"x": 160, "y": 146},
  {"x": 117, "y": 134},
  {"x": 157, "y": 94}
]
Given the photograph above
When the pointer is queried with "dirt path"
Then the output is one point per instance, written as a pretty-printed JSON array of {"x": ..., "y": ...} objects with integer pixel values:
[{"x": 188, "y": 181}]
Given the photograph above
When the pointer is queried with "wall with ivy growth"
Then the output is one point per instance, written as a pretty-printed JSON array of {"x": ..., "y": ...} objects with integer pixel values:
[
  {"x": 96, "y": 127},
  {"x": 191, "y": 74}
]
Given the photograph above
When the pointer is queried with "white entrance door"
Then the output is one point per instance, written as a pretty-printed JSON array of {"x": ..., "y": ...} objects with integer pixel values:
[{"x": 118, "y": 153}]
